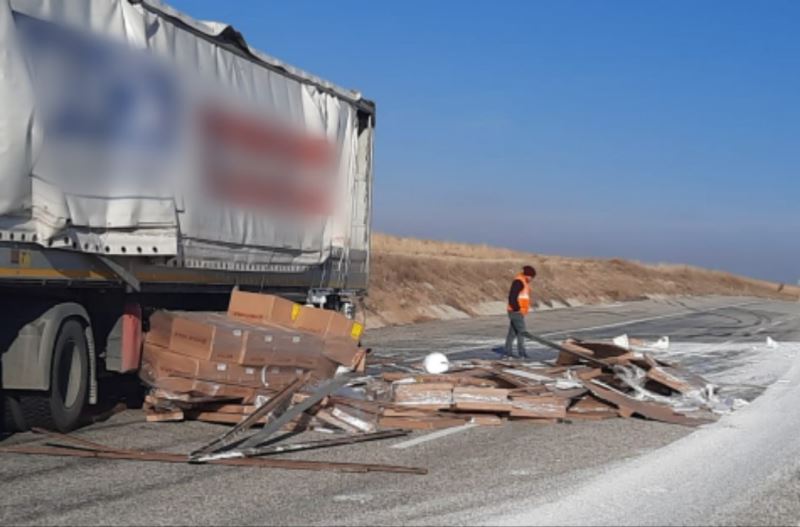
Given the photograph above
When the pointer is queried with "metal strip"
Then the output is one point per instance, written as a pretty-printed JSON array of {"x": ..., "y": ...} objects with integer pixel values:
[
  {"x": 266, "y": 408},
  {"x": 323, "y": 391}
]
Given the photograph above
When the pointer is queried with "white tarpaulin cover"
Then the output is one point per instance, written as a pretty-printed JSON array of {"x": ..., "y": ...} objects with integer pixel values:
[{"x": 128, "y": 128}]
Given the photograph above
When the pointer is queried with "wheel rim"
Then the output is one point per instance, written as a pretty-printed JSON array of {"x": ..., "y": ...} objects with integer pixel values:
[{"x": 70, "y": 374}]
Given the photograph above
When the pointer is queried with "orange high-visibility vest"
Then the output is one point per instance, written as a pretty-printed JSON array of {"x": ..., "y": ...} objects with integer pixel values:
[{"x": 524, "y": 298}]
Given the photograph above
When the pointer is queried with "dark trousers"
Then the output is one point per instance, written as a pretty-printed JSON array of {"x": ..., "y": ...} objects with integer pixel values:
[{"x": 516, "y": 330}]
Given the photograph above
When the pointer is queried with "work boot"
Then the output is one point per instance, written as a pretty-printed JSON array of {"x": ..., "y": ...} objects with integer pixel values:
[{"x": 502, "y": 352}]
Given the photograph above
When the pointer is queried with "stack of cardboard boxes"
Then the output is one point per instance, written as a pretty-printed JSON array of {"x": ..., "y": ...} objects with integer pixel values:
[{"x": 257, "y": 348}]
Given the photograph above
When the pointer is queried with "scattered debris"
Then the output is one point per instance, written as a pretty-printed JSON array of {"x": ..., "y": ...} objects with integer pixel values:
[
  {"x": 76, "y": 447},
  {"x": 624, "y": 341},
  {"x": 661, "y": 344},
  {"x": 279, "y": 366}
]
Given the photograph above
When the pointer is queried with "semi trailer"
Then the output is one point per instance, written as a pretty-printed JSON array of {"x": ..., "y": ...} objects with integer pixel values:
[{"x": 149, "y": 160}]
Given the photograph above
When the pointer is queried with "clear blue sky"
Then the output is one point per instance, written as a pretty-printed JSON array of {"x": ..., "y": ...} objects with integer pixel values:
[{"x": 663, "y": 131}]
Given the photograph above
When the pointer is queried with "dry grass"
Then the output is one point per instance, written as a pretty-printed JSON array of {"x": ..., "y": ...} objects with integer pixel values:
[{"x": 409, "y": 275}]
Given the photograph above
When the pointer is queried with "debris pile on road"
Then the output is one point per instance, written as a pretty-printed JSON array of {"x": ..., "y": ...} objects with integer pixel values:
[
  {"x": 284, "y": 367},
  {"x": 589, "y": 380},
  {"x": 226, "y": 368},
  {"x": 220, "y": 367}
]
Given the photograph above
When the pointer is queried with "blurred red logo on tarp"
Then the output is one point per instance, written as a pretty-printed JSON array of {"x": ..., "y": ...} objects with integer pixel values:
[{"x": 254, "y": 162}]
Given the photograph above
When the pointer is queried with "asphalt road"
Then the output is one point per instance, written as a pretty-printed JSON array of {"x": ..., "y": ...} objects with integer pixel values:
[{"x": 744, "y": 469}]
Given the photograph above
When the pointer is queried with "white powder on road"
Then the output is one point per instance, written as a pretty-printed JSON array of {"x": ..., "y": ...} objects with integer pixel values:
[{"x": 689, "y": 480}]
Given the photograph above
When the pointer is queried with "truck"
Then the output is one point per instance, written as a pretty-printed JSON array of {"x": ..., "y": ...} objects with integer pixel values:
[{"x": 151, "y": 161}]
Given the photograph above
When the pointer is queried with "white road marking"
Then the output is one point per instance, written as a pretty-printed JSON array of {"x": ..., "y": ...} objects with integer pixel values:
[
  {"x": 646, "y": 319},
  {"x": 477, "y": 344},
  {"x": 434, "y": 435}
]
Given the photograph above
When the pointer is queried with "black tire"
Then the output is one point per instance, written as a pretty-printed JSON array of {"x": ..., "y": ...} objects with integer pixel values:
[
  {"x": 13, "y": 419},
  {"x": 62, "y": 407}
]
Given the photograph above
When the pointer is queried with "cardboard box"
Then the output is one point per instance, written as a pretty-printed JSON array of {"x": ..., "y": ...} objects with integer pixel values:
[
  {"x": 212, "y": 371},
  {"x": 164, "y": 363},
  {"x": 279, "y": 377},
  {"x": 160, "y": 328},
  {"x": 327, "y": 323},
  {"x": 222, "y": 390},
  {"x": 319, "y": 365},
  {"x": 207, "y": 336},
  {"x": 313, "y": 320},
  {"x": 341, "y": 326},
  {"x": 160, "y": 362},
  {"x": 245, "y": 375},
  {"x": 257, "y": 308},
  {"x": 262, "y": 343},
  {"x": 342, "y": 350}
]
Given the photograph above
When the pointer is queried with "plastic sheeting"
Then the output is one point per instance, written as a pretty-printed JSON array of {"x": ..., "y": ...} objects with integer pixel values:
[{"x": 137, "y": 130}]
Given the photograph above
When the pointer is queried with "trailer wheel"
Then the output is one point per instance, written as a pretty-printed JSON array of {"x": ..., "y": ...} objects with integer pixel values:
[
  {"x": 13, "y": 419},
  {"x": 62, "y": 407}
]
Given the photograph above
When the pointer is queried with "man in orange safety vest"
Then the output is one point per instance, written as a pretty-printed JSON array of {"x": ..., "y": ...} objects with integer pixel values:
[{"x": 519, "y": 303}]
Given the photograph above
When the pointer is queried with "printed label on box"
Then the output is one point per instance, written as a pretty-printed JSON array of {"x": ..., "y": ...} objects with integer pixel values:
[{"x": 296, "y": 311}]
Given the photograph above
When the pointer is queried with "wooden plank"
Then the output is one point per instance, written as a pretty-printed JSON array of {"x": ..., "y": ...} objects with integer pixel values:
[
  {"x": 477, "y": 406},
  {"x": 590, "y": 416},
  {"x": 545, "y": 407},
  {"x": 586, "y": 374},
  {"x": 676, "y": 379},
  {"x": 571, "y": 393},
  {"x": 602, "y": 350},
  {"x": 655, "y": 411},
  {"x": 239, "y": 409},
  {"x": 592, "y": 405},
  {"x": 420, "y": 423},
  {"x": 625, "y": 411},
  {"x": 428, "y": 395},
  {"x": 161, "y": 417},
  {"x": 535, "y": 421},
  {"x": 572, "y": 354},
  {"x": 513, "y": 380},
  {"x": 166, "y": 457},
  {"x": 408, "y": 412},
  {"x": 481, "y": 399},
  {"x": 537, "y": 378},
  {"x": 484, "y": 419},
  {"x": 530, "y": 390},
  {"x": 218, "y": 417},
  {"x": 326, "y": 417},
  {"x": 372, "y": 407},
  {"x": 462, "y": 379}
]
